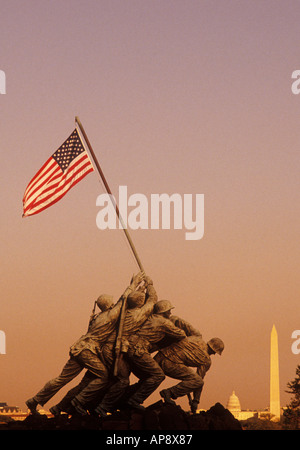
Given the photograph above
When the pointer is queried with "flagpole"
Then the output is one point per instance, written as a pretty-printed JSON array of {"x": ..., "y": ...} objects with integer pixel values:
[
  {"x": 122, "y": 314},
  {"x": 100, "y": 171}
]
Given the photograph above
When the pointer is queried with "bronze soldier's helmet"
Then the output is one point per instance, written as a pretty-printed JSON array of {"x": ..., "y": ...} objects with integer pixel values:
[
  {"x": 216, "y": 344},
  {"x": 162, "y": 306},
  {"x": 104, "y": 302},
  {"x": 135, "y": 299}
]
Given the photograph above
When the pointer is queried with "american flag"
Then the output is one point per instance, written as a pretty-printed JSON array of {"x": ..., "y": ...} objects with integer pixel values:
[{"x": 66, "y": 167}]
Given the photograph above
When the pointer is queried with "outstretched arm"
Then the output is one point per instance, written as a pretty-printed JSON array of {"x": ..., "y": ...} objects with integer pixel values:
[
  {"x": 185, "y": 326},
  {"x": 134, "y": 283}
]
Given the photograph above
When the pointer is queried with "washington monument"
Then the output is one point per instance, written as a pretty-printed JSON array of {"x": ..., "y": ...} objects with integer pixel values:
[{"x": 274, "y": 377}]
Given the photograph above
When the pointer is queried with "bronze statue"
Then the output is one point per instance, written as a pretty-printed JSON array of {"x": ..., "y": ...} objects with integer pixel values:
[
  {"x": 83, "y": 396},
  {"x": 139, "y": 307},
  {"x": 177, "y": 361},
  {"x": 120, "y": 340},
  {"x": 156, "y": 332},
  {"x": 84, "y": 352}
]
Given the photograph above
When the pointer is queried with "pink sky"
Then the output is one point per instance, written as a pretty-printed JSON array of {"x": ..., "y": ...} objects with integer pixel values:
[{"x": 176, "y": 97}]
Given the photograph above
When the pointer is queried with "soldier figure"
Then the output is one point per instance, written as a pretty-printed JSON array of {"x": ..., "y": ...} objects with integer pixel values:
[
  {"x": 139, "y": 307},
  {"x": 177, "y": 361},
  {"x": 154, "y": 333},
  {"x": 84, "y": 353}
]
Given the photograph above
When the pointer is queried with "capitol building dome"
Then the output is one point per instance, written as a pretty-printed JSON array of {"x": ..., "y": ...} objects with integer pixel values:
[
  {"x": 233, "y": 403},
  {"x": 234, "y": 406}
]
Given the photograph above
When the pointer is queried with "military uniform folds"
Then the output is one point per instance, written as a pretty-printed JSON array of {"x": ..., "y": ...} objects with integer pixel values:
[
  {"x": 156, "y": 329},
  {"x": 84, "y": 353},
  {"x": 138, "y": 359},
  {"x": 177, "y": 361},
  {"x": 86, "y": 359},
  {"x": 133, "y": 320}
]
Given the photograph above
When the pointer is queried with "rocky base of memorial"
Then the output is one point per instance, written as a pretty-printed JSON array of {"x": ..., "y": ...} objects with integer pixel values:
[{"x": 158, "y": 416}]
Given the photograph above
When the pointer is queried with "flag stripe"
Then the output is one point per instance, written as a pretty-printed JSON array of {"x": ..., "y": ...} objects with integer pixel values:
[
  {"x": 63, "y": 184},
  {"x": 39, "y": 176},
  {"x": 36, "y": 210},
  {"x": 51, "y": 181},
  {"x": 44, "y": 180},
  {"x": 63, "y": 170},
  {"x": 61, "y": 181}
]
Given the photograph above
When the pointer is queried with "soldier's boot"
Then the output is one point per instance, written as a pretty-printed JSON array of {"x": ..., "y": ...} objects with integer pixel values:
[
  {"x": 166, "y": 395},
  {"x": 55, "y": 410},
  {"x": 78, "y": 407},
  {"x": 101, "y": 412},
  {"x": 31, "y": 404},
  {"x": 136, "y": 405}
]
